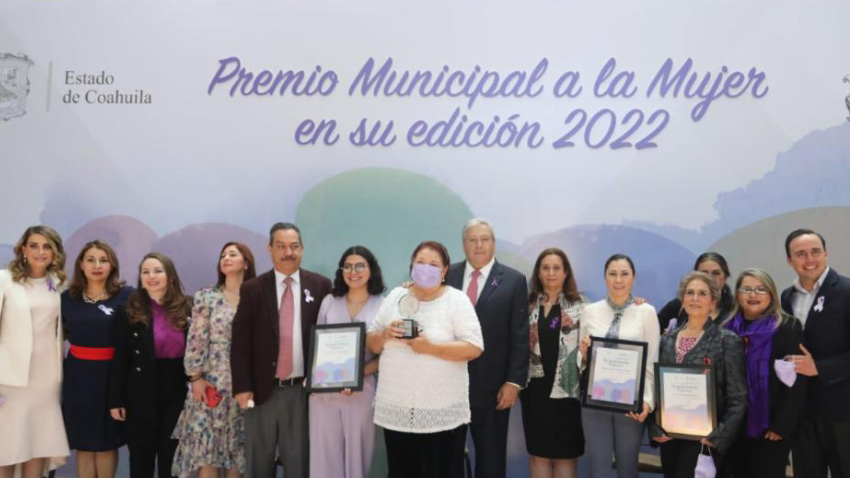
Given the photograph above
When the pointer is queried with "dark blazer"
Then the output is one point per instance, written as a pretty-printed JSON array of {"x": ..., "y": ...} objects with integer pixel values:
[
  {"x": 724, "y": 351},
  {"x": 502, "y": 310},
  {"x": 134, "y": 377},
  {"x": 256, "y": 330},
  {"x": 827, "y": 336}
]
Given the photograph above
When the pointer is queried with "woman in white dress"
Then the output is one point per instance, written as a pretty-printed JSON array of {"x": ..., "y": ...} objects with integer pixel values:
[
  {"x": 31, "y": 352},
  {"x": 422, "y": 401}
]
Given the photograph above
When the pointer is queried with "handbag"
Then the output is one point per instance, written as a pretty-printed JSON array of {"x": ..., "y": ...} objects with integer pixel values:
[
  {"x": 705, "y": 464},
  {"x": 213, "y": 397}
]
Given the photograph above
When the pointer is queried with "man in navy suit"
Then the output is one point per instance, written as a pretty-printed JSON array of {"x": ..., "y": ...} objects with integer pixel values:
[
  {"x": 500, "y": 297},
  {"x": 820, "y": 298},
  {"x": 267, "y": 356}
]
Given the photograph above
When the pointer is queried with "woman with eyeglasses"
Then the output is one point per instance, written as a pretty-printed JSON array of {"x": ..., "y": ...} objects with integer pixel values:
[
  {"x": 775, "y": 399},
  {"x": 700, "y": 341},
  {"x": 618, "y": 316},
  {"x": 342, "y": 429},
  {"x": 716, "y": 267}
]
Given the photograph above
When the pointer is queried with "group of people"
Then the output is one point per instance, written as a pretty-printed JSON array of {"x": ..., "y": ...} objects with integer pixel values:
[{"x": 216, "y": 384}]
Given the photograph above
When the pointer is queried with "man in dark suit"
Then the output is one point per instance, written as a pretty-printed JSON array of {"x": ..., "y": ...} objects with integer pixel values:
[
  {"x": 820, "y": 298},
  {"x": 267, "y": 357},
  {"x": 500, "y": 297}
]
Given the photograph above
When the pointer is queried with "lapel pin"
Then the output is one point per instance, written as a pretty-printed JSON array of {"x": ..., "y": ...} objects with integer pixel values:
[
  {"x": 307, "y": 297},
  {"x": 106, "y": 310},
  {"x": 819, "y": 306},
  {"x": 495, "y": 282},
  {"x": 50, "y": 285}
]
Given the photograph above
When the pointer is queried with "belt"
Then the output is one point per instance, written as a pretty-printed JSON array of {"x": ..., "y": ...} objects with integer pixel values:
[
  {"x": 289, "y": 382},
  {"x": 92, "y": 353}
]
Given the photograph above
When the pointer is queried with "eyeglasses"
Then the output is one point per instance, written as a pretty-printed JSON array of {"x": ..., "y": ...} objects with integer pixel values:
[
  {"x": 359, "y": 267},
  {"x": 760, "y": 290}
]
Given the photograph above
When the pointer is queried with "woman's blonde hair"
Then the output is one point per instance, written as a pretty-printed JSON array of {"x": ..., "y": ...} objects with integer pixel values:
[{"x": 18, "y": 265}]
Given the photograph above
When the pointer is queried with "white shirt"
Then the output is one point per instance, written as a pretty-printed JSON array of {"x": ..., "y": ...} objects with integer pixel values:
[
  {"x": 482, "y": 279},
  {"x": 802, "y": 300},
  {"x": 420, "y": 393},
  {"x": 638, "y": 323},
  {"x": 297, "y": 347}
]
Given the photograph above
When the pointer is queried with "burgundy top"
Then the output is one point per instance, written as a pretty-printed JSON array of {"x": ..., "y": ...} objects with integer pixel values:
[{"x": 168, "y": 341}]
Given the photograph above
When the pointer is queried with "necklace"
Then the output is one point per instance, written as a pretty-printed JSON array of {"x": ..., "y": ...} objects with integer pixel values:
[{"x": 93, "y": 300}]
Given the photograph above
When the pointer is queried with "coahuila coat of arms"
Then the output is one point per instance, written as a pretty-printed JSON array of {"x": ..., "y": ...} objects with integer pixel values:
[{"x": 14, "y": 85}]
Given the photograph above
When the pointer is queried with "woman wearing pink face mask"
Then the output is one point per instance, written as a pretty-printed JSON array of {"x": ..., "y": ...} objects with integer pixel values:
[{"x": 422, "y": 400}]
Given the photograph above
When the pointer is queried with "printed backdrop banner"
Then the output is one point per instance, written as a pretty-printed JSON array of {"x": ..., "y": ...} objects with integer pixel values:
[{"x": 659, "y": 129}]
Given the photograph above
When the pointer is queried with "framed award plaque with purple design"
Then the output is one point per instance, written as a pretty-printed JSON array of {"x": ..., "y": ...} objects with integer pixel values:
[
  {"x": 686, "y": 405},
  {"x": 615, "y": 375},
  {"x": 336, "y": 358}
]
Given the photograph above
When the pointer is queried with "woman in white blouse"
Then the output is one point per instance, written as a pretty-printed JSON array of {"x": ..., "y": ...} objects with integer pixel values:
[
  {"x": 422, "y": 401},
  {"x": 618, "y": 317}
]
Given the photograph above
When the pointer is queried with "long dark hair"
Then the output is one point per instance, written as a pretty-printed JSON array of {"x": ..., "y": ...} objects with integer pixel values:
[
  {"x": 250, "y": 271},
  {"x": 80, "y": 281},
  {"x": 570, "y": 289},
  {"x": 726, "y": 301},
  {"x": 177, "y": 306},
  {"x": 375, "y": 286}
]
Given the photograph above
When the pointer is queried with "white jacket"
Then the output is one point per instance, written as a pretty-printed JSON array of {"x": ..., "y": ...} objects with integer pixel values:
[{"x": 16, "y": 333}]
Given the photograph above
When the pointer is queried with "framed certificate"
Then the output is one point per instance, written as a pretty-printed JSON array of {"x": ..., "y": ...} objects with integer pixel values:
[
  {"x": 336, "y": 357},
  {"x": 615, "y": 375},
  {"x": 686, "y": 400}
]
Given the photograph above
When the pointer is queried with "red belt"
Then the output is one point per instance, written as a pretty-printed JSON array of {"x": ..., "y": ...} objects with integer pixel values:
[{"x": 92, "y": 353}]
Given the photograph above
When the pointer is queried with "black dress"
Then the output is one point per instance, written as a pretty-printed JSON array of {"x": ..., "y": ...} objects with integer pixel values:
[
  {"x": 552, "y": 425},
  {"x": 86, "y": 382}
]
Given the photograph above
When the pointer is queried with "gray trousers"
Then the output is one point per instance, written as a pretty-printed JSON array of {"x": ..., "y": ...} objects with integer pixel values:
[
  {"x": 280, "y": 422},
  {"x": 607, "y": 432}
]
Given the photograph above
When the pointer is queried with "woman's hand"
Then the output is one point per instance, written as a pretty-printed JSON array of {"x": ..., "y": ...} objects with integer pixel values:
[
  {"x": 119, "y": 414},
  {"x": 583, "y": 347},
  {"x": 640, "y": 301},
  {"x": 640, "y": 417},
  {"x": 662, "y": 439},
  {"x": 393, "y": 331},
  {"x": 346, "y": 392},
  {"x": 772, "y": 436},
  {"x": 705, "y": 441},
  {"x": 420, "y": 345},
  {"x": 199, "y": 390}
]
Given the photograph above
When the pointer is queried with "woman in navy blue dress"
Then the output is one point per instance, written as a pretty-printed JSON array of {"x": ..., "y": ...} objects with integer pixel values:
[{"x": 89, "y": 308}]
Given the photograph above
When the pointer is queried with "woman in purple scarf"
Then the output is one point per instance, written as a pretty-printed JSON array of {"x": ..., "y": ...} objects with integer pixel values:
[{"x": 775, "y": 395}]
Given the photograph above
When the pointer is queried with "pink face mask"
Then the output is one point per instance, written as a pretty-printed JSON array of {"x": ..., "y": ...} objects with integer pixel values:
[
  {"x": 785, "y": 372},
  {"x": 426, "y": 276}
]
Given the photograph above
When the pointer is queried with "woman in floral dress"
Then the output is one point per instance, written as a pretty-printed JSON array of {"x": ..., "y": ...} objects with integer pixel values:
[{"x": 212, "y": 437}]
